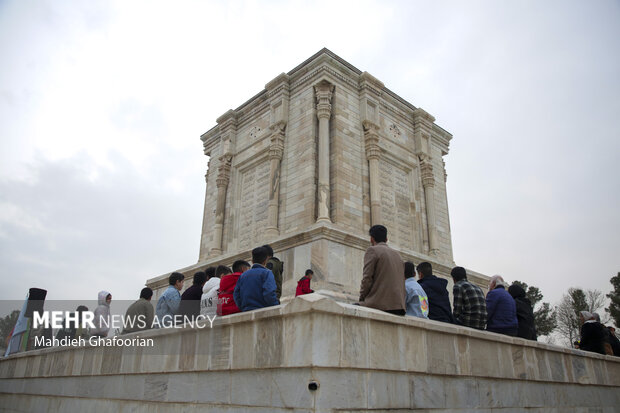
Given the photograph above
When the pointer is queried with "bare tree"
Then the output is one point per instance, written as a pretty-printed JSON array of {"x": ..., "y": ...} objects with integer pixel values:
[{"x": 574, "y": 301}]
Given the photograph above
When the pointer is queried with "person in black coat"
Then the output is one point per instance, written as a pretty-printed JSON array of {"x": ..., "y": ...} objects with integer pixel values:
[
  {"x": 438, "y": 298},
  {"x": 525, "y": 313},
  {"x": 593, "y": 334},
  {"x": 613, "y": 340}
]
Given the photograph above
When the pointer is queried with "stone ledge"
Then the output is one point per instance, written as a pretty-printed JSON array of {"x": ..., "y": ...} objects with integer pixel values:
[{"x": 362, "y": 359}]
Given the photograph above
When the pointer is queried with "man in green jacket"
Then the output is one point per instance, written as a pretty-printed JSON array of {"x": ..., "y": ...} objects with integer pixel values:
[{"x": 140, "y": 314}]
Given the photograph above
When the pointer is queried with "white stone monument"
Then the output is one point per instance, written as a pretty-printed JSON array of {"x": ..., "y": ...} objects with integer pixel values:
[{"x": 310, "y": 163}]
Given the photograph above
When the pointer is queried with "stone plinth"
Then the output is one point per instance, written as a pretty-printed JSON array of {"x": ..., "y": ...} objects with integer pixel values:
[
  {"x": 335, "y": 256},
  {"x": 361, "y": 359}
]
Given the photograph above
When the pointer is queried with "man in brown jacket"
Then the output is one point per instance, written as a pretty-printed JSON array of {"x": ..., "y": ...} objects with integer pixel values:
[{"x": 383, "y": 283}]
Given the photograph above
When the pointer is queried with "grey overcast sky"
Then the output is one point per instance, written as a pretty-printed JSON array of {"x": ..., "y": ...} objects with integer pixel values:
[{"x": 102, "y": 104}]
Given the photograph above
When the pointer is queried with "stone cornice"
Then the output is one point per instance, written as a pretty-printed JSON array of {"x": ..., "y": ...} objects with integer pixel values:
[
  {"x": 327, "y": 64},
  {"x": 442, "y": 139},
  {"x": 278, "y": 85}
]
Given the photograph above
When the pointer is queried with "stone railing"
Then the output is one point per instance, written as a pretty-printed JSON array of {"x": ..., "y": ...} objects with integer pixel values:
[{"x": 313, "y": 354}]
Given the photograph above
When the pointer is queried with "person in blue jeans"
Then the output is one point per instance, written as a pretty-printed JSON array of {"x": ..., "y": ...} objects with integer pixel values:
[{"x": 256, "y": 287}]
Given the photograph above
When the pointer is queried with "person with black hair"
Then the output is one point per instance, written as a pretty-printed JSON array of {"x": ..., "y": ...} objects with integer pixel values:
[
  {"x": 225, "y": 301},
  {"x": 190, "y": 299},
  {"x": 436, "y": 289},
  {"x": 277, "y": 268},
  {"x": 382, "y": 284},
  {"x": 469, "y": 304},
  {"x": 256, "y": 287},
  {"x": 168, "y": 303},
  {"x": 303, "y": 285},
  {"x": 417, "y": 300},
  {"x": 74, "y": 330},
  {"x": 140, "y": 314}
]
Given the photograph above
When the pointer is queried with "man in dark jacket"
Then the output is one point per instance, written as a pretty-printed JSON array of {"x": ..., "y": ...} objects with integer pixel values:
[
  {"x": 190, "y": 299},
  {"x": 438, "y": 298},
  {"x": 256, "y": 288},
  {"x": 525, "y": 313},
  {"x": 277, "y": 268}
]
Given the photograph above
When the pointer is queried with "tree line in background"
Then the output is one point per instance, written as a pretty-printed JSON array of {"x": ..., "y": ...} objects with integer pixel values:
[{"x": 562, "y": 320}]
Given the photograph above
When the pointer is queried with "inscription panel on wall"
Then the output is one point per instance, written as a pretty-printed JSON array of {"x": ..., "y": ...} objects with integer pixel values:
[
  {"x": 253, "y": 203},
  {"x": 396, "y": 204}
]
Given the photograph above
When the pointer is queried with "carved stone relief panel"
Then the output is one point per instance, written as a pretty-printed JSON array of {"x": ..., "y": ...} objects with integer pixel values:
[
  {"x": 396, "y": 211},
  {"x": 253, "y": 200}
]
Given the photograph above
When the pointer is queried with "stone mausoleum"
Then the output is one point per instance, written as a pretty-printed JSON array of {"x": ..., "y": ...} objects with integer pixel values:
[{"x": 310, "y": 163}]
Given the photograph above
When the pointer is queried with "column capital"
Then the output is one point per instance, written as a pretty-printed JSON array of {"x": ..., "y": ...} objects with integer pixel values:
[
  {"x": 428, "y": 178},
  {"x": 276, "y": 150},
  {"x": 223, "y": 171},
  {"x": 371, "y": 140},
  {"x": 324, "y": 91}
]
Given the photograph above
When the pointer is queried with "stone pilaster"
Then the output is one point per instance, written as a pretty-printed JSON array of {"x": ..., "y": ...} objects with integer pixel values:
[
  {"x": 276, "y": 150},
  {"x": 428, "y": 183},
  {"x": 228, "y": 129},
  {"x": 370, "y": 95},
  {"x": 422, "y": 132},
  {"x": 373, "y": 151},
  {"x": 204, "y": 251},
  {"x": 222, "y": 180},
  {"x": 278, "y": 92},
  {"x": 324, "y": 91}
]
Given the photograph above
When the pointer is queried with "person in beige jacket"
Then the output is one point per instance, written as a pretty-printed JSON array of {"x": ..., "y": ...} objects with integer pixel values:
[{"x": 383, "y": 282}]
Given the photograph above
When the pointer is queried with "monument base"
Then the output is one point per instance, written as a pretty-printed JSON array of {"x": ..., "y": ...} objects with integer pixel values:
[
  {"x": 336, "y": 256},
  {"x": 313, "y": 354}
]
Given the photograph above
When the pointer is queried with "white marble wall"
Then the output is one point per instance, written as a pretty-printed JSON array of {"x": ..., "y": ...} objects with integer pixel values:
[{"x": 361, "y": 358}]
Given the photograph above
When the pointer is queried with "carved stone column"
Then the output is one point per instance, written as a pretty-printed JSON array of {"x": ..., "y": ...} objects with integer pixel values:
[
  {"x": 227, "y": 124},
  {"x": 223, "y": 177},
  {"x": 276, "y": 151},
  {"x": 428, "y": 183},
  {"x": 204, "y": 248},
  {"x": 371, "y": 141},
  {"x": 324, "y": 91}
]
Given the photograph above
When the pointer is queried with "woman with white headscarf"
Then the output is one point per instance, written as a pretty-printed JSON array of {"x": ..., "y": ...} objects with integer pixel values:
[{"x": 593, "y": 336}]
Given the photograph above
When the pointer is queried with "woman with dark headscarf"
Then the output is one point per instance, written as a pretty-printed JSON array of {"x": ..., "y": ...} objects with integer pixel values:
[{"x": 525, "y": 313}]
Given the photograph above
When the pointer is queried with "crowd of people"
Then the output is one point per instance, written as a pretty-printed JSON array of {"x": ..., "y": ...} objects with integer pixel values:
[
  {"x": 504, "y": 310},
  {"x": 388, "y": 284}
]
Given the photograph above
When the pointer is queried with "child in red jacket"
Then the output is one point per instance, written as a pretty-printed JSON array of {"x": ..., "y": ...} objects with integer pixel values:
[
  {"x": 225, "y": 302},
  {"x": 303, "y": 285}
]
